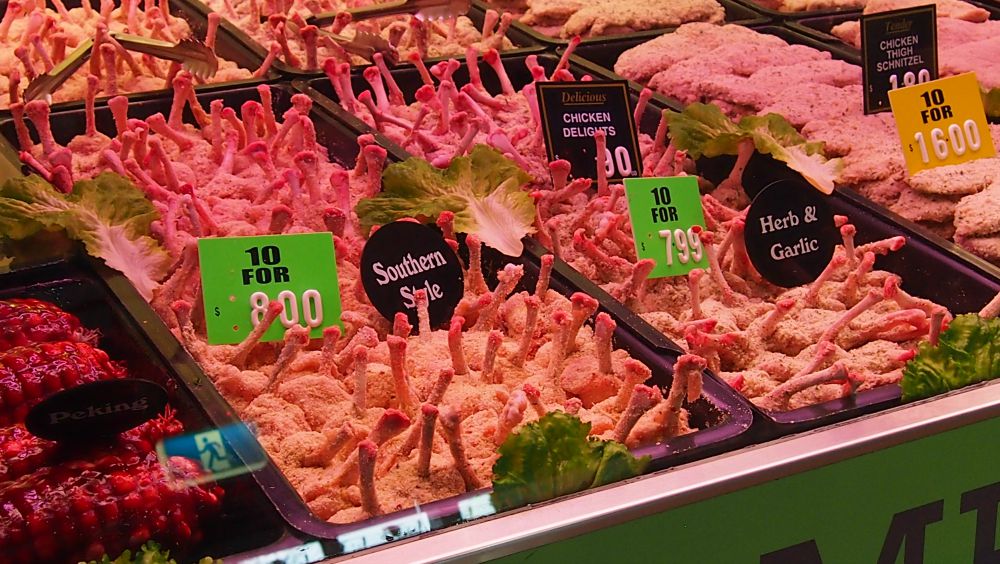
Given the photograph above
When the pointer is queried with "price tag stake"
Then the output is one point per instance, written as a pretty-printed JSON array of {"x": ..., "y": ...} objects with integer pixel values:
[
  {"x": 666, "y": 219},
  {"x": 942, "y": 123},
  {"x": 242, "y": 276}
]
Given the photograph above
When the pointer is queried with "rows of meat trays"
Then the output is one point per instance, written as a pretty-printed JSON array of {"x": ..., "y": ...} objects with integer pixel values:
[
  {"x": 721, "y": 414},
  {"x": 975, "y": 282},
  {"x": 972, "y": 283}
]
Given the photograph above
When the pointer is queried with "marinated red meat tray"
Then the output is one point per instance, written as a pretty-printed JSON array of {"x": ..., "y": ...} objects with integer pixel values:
[{"x": 67, "y": 323}]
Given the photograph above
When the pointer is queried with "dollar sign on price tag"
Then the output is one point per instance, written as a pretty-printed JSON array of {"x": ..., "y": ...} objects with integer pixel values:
[
  {"x": 666, "y": 219},
  {"x": 572, "y": 112},
  {"x": 942, "y": 122},
  {"x": 242, "y": 276}
]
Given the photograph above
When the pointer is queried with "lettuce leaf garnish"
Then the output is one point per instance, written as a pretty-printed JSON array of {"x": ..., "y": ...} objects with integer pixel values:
[
  {"x": 107, "y": 213},
  {"x": 554, "y": 456},
  {"x": 967, "y": 352},
  {"x": 485, "y": 190},
  {"x": 148, "y": 553},
  {"x": 703, "y": 130}
]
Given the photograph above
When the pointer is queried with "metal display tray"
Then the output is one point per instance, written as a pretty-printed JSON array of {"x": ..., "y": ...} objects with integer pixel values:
[
  {"x": 736, "y": 13},
  {"x": 971, "y": 285},
  {"x": 227, "y": 46},
  {"x": 335, "y": 129},
  {"x": 723, "y": 414},
  {"x": 614, "y": 509},
  {"x": 523, "y": 42},
  {"x": 129, "y": 331}
]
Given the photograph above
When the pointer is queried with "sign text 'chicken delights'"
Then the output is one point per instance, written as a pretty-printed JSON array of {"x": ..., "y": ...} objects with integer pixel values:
[
  {"x": 899, "y": 49},
  {"x": 403, "y": 257},
  {"x": 790, "y": 234},
  {"x": 243, "y": 278},
  {"x": 572, "y": 112}
]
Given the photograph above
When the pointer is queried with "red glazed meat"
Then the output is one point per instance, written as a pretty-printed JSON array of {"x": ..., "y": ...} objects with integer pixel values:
[
  {"x": 27, "y": 321},
  {"x": 21, "y": 453},
  {"x": 78, "y": 511},
  {"x": 31, "y": 373}
]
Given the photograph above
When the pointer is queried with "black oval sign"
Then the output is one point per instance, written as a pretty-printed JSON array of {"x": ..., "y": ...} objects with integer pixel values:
[
  {"x": 790, "y": 233},
  {"x": 96, "y": 410},
  {"x": 403, "y": 257}
]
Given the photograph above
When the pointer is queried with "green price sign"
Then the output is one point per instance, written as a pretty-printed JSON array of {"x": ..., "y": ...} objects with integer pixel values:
[
  {"x": 666, "y": 218},
  {"x": 241, "y": 276}
]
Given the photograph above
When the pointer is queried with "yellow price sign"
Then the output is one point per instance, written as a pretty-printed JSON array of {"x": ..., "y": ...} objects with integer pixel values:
[{"x": 941, "y": 122}]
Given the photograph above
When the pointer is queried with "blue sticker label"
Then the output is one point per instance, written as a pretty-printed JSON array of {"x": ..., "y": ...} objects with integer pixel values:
[{"x": 224, "y": 452}]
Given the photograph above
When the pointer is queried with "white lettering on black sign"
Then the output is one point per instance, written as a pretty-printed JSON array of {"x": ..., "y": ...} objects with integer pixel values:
[
  {"x": 790, "y": 233},
  {"x": 572, "y": 112},
  {"x": 404, "y": 257}
]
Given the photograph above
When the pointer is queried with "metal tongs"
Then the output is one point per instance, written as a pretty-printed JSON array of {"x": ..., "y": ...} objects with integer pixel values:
[
  {"x": 364, "y": 44},
  {"x": 193, "y": 55},
  {"x": 423, "y": 9}
]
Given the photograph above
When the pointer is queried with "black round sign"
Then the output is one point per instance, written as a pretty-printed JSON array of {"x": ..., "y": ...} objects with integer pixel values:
[
  {"x": 790, "y": 233},
  {"x": 96, "y": 410},
  {"x": 403, "y": 257}
]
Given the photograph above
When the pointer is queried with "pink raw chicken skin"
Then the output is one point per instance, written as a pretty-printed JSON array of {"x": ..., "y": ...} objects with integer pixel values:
[
  {"x": 746, "y": 72},
  {"x": 22, "y": 56},
  {"x": 344, "y": 417}
]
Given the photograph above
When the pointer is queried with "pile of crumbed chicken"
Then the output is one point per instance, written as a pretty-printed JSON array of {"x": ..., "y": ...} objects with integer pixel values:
[
  {"x": 772, "y": 345},
  {"x": 283, "y": 27},
  {"x": 596, "y": 18},
  {"x": 351, "y": 418},
  {"x": 35, "y": 39},
  {"x": 948, "y": 6},
  {"x": 745, "y": 72}
]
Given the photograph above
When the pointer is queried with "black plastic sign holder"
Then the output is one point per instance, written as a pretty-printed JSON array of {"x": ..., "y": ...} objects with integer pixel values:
[{"x": 898, "y": 49}]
